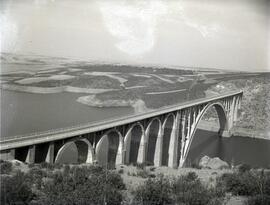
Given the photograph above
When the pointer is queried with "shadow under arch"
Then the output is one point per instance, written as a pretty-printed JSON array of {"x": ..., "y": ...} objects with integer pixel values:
[
  {"x": 133, "y": 144},
  {"x": 223, "y": 125},
  {"x": 167, "y": 128},
  {"x": 85, "y": 151},
  {"x": 152, "y": 134},
  {"x": 109, "y": 149}
]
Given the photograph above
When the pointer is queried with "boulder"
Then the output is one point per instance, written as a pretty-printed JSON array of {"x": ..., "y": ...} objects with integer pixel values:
[
  {"x": 213, "y": 163},
  {"x": 17, "y": 162}
]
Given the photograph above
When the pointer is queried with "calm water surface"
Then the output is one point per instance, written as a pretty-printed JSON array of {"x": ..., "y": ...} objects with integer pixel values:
[
  {"x": 235, "y": 150},
  {"x": 24, "y": 113}
]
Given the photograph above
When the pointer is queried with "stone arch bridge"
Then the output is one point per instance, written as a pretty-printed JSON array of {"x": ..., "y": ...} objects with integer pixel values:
[{"x": 162, "y": 137}]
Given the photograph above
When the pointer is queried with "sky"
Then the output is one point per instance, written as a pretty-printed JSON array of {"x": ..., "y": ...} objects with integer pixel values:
[{"x": 223, "y": 34}]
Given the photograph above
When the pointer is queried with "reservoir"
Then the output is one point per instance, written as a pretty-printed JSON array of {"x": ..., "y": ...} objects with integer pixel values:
[{"x": 25, "y": 113}]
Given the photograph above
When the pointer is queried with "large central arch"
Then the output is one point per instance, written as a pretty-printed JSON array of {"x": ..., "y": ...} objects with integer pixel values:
[
  {"x": 109, "y": 149},
  {"x": 223, "y": 122}
]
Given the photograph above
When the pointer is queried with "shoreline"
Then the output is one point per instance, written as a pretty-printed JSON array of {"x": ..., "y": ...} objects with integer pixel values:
[
  {"x": 51, "y": 90},
  {"x": 91, "y": 100}
]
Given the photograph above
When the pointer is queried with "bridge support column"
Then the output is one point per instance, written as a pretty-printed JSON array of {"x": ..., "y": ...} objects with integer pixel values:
[
  {"x": 120, "y": 157},
  {"x": 183, "y": 138},
  {"x": 236, "y": 108},
  {"x": 50, "y": 153},
  {"x": 158, "y": 149},
  {"x": 142, "y": 150},
  {"x": 30, "y": 158},
  {"x": 174, "y": 141},
  {"x": 231, "y": 114}
]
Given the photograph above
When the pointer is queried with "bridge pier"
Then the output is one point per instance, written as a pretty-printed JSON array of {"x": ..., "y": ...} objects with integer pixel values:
[
  {"x": 174, "y": 141},
  {"x": 30, "y": 158},
  {"x": 158, "y": 148},
  {"x": 120, "y": 153},
  {"x": 142, "y": 150},
  {"x": 50, "y": 153}
]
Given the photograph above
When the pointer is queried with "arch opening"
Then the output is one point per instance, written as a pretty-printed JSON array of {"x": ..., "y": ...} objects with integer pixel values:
[
  {"x": 75, "y": 152},
  {"x": 167, "y": 126},
  {"x": 205, "y": 138},
  {"x": 153, "y": 130},
  {"x": 107, "y": 148},
  {"x": 41, "y": 152},
  {"x": 133, "y": 141},
  {"x": 67, "y": 154},
  {"x": 82, "y": 148}
]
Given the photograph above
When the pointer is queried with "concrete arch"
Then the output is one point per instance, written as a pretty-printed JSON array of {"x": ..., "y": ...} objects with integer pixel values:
[
  {"x": 223, "y": 121},
  {"x": 153, "y": 135},
  {"x": 109, "y": 149},
  {"x": 75, "y": 151},
  {"x": 167, "y": 143},
  {"x": 134, "y": 144},
  {"x": 68, "y": 153}
]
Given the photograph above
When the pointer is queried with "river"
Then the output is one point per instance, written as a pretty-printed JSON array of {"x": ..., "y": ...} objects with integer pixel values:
[{"x": 235, "y": 150}]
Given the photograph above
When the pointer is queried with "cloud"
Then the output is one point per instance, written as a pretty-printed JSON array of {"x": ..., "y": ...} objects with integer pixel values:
[
  {"x": 132, "y": 23},
  {"x": 207, "y": 19},
  {"x": 8, "y": 33}
]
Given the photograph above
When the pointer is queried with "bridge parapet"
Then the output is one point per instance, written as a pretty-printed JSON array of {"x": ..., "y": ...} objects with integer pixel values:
[{"x": 168, "y": 146}]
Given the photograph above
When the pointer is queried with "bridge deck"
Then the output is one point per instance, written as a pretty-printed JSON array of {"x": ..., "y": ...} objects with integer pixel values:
[{"x": 63, "y": 133}]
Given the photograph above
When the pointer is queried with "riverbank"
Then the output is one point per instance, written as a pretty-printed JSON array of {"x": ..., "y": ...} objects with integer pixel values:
[
  {"x": 254, "y": 114},
  {"x": 236, "y": 130}
]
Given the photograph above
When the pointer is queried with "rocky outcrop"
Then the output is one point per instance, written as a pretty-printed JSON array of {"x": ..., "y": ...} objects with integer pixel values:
[{"x": 213, "y": 163}]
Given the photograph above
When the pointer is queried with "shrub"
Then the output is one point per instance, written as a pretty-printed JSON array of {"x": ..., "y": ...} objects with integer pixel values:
[
  {"x": 139, "y": 165},
  {"x": 154, "y": 191},
  {"x": 188, "y": 189},
  {"x": 45, "y": 165},
  {"x": 57, "y": 166},
  {"x": 152, "y": 169},
  {"x": 83, "y": 185},
  {"x": 244, "y": 168},
  {"x": 151, "y": 175},
  {"x": 142, "y": 173},
  {"x": 147, "y": 163},
  {"x": 239, "y": 184},
  {"x": 35, "y": 176},
  {"x": 5, "y": 167},
  {"x": 259, "y": 200},
  {"x": 15, "y": 189},
  {"x": 247, "y": 183},
  {"x": 32, "y": 165}
]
